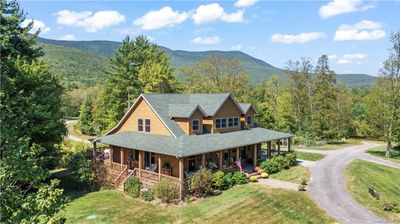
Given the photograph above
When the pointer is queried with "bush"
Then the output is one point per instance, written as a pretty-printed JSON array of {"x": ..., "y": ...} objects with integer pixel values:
[
  {"x": 278, "y": 163},
  {"x": 239, "y": 178},
  {"x": 218, "y": 180},
  {"x": 82, "y": 170},
  {"x": 264, "y": 175},
  {"x": 166, "y": 190},
  {"x": 302, "y": 187},
  {"x": 253, "y": 179},
  {"x": 390, "y": 206},
  {"x": 228, "y": 182},
  {"x": 148, "y": 195},
  {"x": 303, "y": 181},
  {"x": 291, "y": 157},
  {"x": 201, "y": 182},
  {"x": 132, "y": 187}
]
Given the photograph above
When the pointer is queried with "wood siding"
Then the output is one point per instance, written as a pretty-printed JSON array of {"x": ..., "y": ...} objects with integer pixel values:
[
  {"x": 228, "y": 109},
  {"x": 251, "y": 113}
]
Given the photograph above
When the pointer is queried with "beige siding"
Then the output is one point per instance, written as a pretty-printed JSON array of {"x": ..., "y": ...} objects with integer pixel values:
[
  {"x": 183, "y": 123},
  {"x": 144, "y": 111},
  {"x": 197, "y": 115},
  {"x": 228, "y": 109},
  {"x": 251, "y": 113}
]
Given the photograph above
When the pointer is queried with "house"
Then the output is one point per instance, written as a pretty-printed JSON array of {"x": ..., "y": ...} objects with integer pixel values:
[{"x": 172, "y": 135}]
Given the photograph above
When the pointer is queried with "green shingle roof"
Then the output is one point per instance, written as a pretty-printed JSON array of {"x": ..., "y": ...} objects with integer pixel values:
[
  {"x": 182, "y": 110},
  {"x": 245, "y": 106},
  {"x": 188, "y": 145}
]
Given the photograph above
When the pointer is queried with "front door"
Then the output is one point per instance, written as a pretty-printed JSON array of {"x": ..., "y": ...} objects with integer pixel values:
[{"x": 192, "y": 164}]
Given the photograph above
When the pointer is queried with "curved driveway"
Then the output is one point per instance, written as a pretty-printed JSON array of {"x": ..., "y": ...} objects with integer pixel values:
[{"x": 328, "y": 187}]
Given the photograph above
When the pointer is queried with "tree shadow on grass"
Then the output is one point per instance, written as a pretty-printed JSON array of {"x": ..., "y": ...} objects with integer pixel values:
[
  {"x": 72, "y": 188},
  {"x": 394, "y": 154}
]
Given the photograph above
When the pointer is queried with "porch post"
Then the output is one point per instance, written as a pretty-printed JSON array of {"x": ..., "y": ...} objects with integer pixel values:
[
  {"x": 203, "y": 161},
  {"x": 111, "y": 155},
  {"x": 289, "y": 144},
  {"x": 94, "y": 150},
  {"x": 237, "y": 153},
  {"x": 122, "y": 155},
  {"x": 140, "y": 164},
  {"x": 220, "y": 159},
  {"x": 269, "y": 149},
  {"x": 181, "y": 179},
  {"x": 255, "y": 157},
  {"x": 279, "y": 147},
  {"x": 159, "y": 166}
]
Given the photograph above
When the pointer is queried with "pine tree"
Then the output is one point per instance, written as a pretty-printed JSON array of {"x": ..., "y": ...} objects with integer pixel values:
[{"x": 85, "y": 120}]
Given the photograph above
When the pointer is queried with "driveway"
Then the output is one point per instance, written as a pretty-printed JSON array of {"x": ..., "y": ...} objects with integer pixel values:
[
  {"x": 328, "y": 187},
  {"x": 73, "y": 137}
]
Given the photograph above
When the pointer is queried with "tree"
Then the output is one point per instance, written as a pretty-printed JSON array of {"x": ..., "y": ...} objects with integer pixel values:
[
  {"x": 31, "y": 126},
  {"x": 384, "y": 98},
  {"x": 85, "y": 120}
]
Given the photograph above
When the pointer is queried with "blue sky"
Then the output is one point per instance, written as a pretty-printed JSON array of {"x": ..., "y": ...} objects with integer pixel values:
[{"x": 355, "y": 34}]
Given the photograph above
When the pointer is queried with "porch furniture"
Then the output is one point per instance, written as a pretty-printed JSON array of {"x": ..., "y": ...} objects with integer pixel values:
[{"x": 152, "y": 167}]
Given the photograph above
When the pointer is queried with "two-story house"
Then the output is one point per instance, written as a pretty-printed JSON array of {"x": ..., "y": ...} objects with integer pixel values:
[{"x": 173, "y": 135}]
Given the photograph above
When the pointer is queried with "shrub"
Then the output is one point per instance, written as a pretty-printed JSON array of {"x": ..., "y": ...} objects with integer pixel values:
[
  {"x": 291, "y": 157},
  {"x": 264, "y": 175},
  {"x": 228, "y": 182},
  {"x": 132, "y": 187},
  {"x": 278, "y": 163},
  {"x": 253, "y": 179},
  {"x": 82, "y": 170},
  {"x": 302, "y": 187},
  {"x": 390, "y": 206},
  {"x": 239, "y": 178},
  {"x": 148, "y": 195},
  {"x": 201, "y": 182},
  {"x": 166, "y": 190},
  {"x": 218, "y": 180},
  {"x": 303, "y": 181}
]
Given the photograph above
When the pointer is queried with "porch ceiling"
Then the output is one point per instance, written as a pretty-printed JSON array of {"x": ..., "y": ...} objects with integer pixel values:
[{"x": 191, "y": 144}]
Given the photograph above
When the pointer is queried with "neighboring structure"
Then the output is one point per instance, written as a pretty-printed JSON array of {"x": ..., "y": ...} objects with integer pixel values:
[{"x": 173, "y": 135}]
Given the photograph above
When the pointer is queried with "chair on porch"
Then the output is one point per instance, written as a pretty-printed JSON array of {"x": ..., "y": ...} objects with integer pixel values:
[{"x": 152, "y": 167}]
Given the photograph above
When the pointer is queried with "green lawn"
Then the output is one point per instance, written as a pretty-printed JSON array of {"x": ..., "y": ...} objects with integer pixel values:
[
  {"x": 386, "y": 180},
  {"x": 331, "y": 145},
  {"x": 74, "y": 130},
  {"x": 294, "y": 174},
  {"x": 380, "y": 151},
  {"x": 245, "y": 203},
  {"x": 309, "y": 156}
]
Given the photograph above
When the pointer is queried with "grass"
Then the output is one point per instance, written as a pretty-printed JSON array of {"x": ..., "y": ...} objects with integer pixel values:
[
  {"x": 294, "y": 174},
  {"x": 385, "y": 180},
  {"x": 332, "y": 145},
  {"x": 380, "y": 151},
  {"x": 244, "y": 203},
  {"x": 74, "y": 130},
  {"x": 309, "y": 156}
]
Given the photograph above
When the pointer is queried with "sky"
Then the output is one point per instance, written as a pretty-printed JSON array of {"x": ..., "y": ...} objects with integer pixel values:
[{"x": 354, "y": 34}]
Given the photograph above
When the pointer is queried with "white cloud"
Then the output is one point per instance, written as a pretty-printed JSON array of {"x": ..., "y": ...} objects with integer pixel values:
[
  {"x": 37, "y": 25},
  {"x": 214, "y": 12},
  {"x": 363, "y": 30},
  {"x": 351, "y": 58},
  {"x": 355, "y": 56},
  {"x": 343, "y": 61},
  {"x": 206, "y": 40},
  {"x": 237, "y": 47},
  {"x": 299, "y": 38},
  {"x": 156, "y": 19},
  {"x": 332, "y": 57},
  {"x": 91, "y": 22},
  {"x": 337, "y": 7},
  {"x": 67, "y": 37},
  {"x": 245, "y": 3}
]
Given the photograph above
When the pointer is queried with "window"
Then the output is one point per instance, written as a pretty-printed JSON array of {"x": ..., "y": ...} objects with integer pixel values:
[
  {"x": 230, "y": 122},
  {"x": 235, "y": 121},
  {"x": 147, "y": 125},
  {"x": 249, "y": 119},
  {"x": 140, "y": 124},
  {"x": 218, "y": 123},
  {"x": 223, "y": 123},
  {"x": 195, "y": 125}
]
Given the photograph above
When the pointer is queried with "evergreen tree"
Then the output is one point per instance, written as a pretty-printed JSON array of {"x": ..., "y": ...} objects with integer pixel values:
[
  {"x": 31, "y": 126},
  {"x": 85, "y": 120}
]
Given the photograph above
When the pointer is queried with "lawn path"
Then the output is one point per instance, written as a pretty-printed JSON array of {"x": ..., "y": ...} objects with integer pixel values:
[
  {"x": 74, "y": 138},
  {"x": 278, "y": 184},
  {"x": 328, "y": 187},
  {"x": 381, "y": 161}
]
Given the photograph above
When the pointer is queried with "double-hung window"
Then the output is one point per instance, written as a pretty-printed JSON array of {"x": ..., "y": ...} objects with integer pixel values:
[
  {"x": 235, "y": 121},
  {"x": 218, "y": 123},
  {"x": 230, "y": 122},
  {"x": 249, "y": 120},
  {"x": 147, "y": 121},
  {"x": 140, "y": 124},
  {"x": 223, "y": 123},
  {"x": 195, "y": 125}
]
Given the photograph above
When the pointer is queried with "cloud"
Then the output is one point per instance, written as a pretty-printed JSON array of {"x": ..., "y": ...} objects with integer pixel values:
[
  {"x": 91, "y": 22},
  {"x": 67, "y": 37},
  {"x": 37, "y": 25},
  {"x": 245, "y": 3},
  {"x": 299, "y": 38},
  {"x": 338, "y": 7},
  {"x": 351, "y": 58},
  {"x": 206, "y": 40},
  {"x": 214, "y": 12},
  {"x": 363, "y": 30},
  {"x": 332, "y": 57},
  {"x": 237, "y": 47},
  {"x": 156, "y": 19}
]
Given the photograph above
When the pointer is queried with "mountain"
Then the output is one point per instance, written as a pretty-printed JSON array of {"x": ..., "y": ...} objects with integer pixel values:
[{"x": 99, "y": 51}]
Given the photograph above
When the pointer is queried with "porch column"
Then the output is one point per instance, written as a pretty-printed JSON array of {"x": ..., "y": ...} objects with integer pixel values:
[
  {"x": 289, "y": 144},
  {"x": 181, "y": 179},
  {"x": 94, "y": 150},
  {"x": 269, "y": 149},
  {"x": 220, "y": 159},
  {"x": 140, "y": 164},
  {"x": 255, "y": 157},
  {"x": 279, "y": 147},
  {"x": 122, "y": 156},
  {"x": 237, "y": 153},
  {"x": 159, "y": 166},
  {"x": 111, "y": 155},
  {"x": 203, "y": 161}
]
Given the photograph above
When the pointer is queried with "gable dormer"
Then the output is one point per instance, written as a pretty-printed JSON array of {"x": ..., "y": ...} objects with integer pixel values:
[
  {"x": 227, "y": 117},
  {"x": 249, "y": 112},
  {"x": 189, "y": 117}
]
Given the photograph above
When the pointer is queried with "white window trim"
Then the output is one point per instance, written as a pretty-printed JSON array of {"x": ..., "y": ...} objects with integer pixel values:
[
  {"x": 143, "y": 124},
  {"x": 227, "y": 122},
  {"x": 198, "y": 125}
]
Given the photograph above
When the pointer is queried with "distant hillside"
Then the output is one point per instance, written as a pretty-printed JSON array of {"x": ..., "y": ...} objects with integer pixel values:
[{"x": 100, "y": 50}]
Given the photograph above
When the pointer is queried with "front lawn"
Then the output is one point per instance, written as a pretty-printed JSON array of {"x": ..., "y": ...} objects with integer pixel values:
[
  {"x": 380, "y": 151},
  {"x": 248, "y": 203},
  {"x": 332, "y": 145},
  {"x": 385, "y": 180},
  {"x": 294, "y": 174},
  {"x": 309, "y": 156}
]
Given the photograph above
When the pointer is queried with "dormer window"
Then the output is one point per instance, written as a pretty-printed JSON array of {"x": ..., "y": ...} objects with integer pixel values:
[
  {"x": 249, "y": 120},
  {"x": 147, "y": 121},
  {"x": 235, "y": 121},
  {"x": 223, "y": 123},
  {"x": 195, "y": 125},
  {"x": 140, "y": 124},
  {"x": 230, "y": 122}
]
